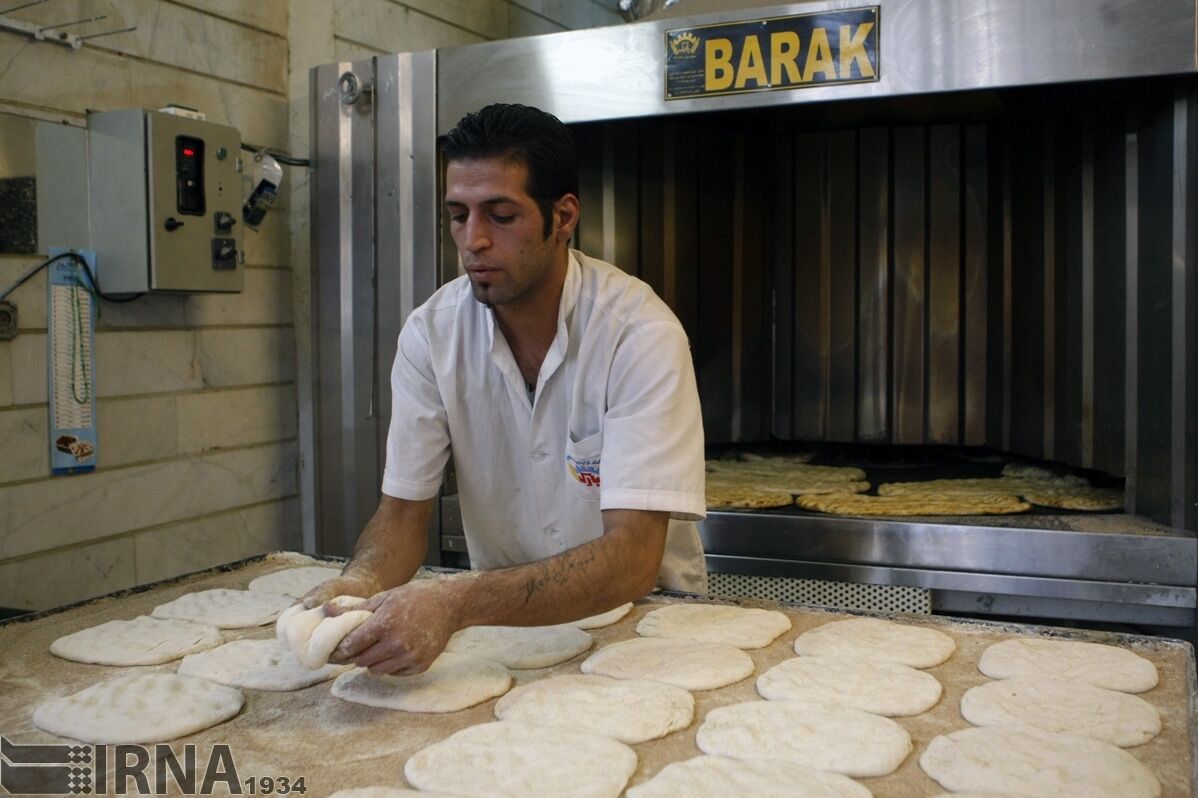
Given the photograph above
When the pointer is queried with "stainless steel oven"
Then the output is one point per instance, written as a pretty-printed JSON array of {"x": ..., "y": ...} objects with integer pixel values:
[{"x": 988, "y": 246}]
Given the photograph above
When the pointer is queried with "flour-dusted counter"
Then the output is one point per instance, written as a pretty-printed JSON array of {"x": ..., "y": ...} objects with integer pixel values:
[{"x": 334, "y": 744}]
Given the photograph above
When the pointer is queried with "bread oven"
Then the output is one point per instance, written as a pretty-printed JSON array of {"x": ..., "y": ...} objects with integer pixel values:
[{"x": 965, "y": 235}]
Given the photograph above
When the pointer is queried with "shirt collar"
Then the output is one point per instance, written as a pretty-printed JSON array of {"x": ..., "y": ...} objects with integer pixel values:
[{"x": 561, "y": 340}]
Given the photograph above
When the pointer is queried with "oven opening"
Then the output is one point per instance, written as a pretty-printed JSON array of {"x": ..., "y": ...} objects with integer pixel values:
[{"x": 930, "y": 287}]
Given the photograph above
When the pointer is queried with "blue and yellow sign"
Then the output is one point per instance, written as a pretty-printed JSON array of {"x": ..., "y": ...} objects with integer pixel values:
[{"x": 770, "y": 54}]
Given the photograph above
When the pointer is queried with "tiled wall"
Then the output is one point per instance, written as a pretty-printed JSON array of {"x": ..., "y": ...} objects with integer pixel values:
[
  {"x": 195, "y": 395},
  {"x": 204, "y": 413}
]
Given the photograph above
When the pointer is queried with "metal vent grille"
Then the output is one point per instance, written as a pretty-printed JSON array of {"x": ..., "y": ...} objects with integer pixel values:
[{"x": 836, "y": 595}]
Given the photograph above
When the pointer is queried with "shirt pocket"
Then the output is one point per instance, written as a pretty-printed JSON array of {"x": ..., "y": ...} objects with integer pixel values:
[{"x": 583, "y": 466}]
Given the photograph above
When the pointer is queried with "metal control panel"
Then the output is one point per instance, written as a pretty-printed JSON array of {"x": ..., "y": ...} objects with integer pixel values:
[{"x": 164, "y": 193}]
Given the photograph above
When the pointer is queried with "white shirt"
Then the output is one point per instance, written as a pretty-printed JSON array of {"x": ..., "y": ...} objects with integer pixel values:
[{"x": 615, "y": 422}]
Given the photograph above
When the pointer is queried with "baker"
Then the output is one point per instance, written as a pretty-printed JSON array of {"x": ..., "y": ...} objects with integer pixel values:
[{"x": 564, "y": 390}]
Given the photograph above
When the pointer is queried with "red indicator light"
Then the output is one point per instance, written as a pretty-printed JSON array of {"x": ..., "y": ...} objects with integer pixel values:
[{"x": 190, "y": 153}]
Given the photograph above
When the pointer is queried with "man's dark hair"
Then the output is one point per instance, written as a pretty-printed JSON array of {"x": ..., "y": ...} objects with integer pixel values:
[{"x": 529, "y": 136}]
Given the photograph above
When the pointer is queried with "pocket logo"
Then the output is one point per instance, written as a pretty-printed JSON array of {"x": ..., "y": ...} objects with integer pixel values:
[{"x": 584, "y": 470}]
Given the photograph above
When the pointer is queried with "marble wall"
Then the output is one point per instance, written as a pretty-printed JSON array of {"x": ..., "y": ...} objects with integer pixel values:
[{"x": 204, "y": 401}]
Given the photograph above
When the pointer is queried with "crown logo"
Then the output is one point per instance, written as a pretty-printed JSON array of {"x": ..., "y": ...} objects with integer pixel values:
[{"x": 684, "y": 45}]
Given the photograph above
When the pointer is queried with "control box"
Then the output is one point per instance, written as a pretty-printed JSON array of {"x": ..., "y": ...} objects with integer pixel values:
[{"x": 164, "y": 202}]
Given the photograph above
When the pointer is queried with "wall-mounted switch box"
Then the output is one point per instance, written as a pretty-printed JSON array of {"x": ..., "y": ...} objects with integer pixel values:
[{"x": 156, "y": 195}]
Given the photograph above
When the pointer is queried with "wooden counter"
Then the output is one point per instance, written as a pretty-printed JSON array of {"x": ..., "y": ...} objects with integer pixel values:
[{"x": 335, "y": 744}]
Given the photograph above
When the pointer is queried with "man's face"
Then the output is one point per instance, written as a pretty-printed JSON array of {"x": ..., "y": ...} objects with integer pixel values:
[{"x": 498, "y": 229}]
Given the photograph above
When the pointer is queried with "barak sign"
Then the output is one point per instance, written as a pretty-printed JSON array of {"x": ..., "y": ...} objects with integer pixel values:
[{"x": 770, "y": 54}]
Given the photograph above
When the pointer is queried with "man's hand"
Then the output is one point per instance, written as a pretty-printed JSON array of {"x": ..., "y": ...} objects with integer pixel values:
[
  {"x": 348, "y": 584},
  {"x": 388, "y": 552},
  {"x": 411, "y": 625}
]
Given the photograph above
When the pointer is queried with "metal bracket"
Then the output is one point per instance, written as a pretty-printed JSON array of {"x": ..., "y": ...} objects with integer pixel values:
[
  {"x": 53, "y": 33},
  {"x": 352, "y": 88}
]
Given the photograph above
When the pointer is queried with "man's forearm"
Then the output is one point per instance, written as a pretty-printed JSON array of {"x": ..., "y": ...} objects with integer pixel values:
[
  {"x": 392, "y": 544},
  {"x": 619, "y": 566}
]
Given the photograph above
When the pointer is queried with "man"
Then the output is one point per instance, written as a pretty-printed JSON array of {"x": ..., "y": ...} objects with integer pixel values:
[{"x": 565, "y": 391}]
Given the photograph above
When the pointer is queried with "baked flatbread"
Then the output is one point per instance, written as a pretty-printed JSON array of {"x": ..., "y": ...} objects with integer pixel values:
[
  {"x": 774, "y": 482},
  {"x": 796, "y": 486},
  {"x": 746, "y": 497},
  {"x": 1014, "y": 486},
  {"x": 773, "y": 470},
  {"x": 1026, "y": 471},
  {"x": 1076, "y": 497},
  {"x": 1065, "y": 492},
  {"x": 800, "y": 458},
  {"x": 915, "y": 504}
]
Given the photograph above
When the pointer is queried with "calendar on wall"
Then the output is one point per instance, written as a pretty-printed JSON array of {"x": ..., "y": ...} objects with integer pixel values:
[{"x": 71, "y": 332}]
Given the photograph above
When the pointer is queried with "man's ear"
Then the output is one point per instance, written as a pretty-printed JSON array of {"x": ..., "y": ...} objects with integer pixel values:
[{"x": 565, "y": 212}]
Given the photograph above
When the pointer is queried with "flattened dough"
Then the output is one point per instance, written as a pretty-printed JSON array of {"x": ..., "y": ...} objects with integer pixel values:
[
  {"x": 522, "y": 647},
  {"x": 603, "y": 619},
  {"x": 386, "y": 792},
  {"x": 139, "y": 708},
  {"x": 717, "y": 777},
  {"x": 881, "y": 688},
  {"x": 255, "y": 665},
  {"x": 1091, "y": 663},
  {"x": 452, "y": 682},
  {"x": 224, "y": 608},
  {"x": 294, "y": 582},
  {"x": 971, "y": 794},
  {"x": 810, "y": 733},
  {"x": 141, "y": 641},
  {"x": 1064, "y": 707},
  {"x": 879, "y": 640},
  {"x": 688, "y": 664},
  {"x": 916, "y": 504},
  {"x": 1028, "y": 761},
  {"x": 715, "y": 623},
  {"x": 508, "y": 758},
  {"x": 631, "y": 711}
]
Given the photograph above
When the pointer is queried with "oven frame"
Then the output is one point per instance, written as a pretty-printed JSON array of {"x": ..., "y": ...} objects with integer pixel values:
[{"x": 378, "y": 251}]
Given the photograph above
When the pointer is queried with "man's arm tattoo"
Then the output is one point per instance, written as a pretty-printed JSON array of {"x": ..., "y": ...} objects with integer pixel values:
[{"x": 558, "y": 572}]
